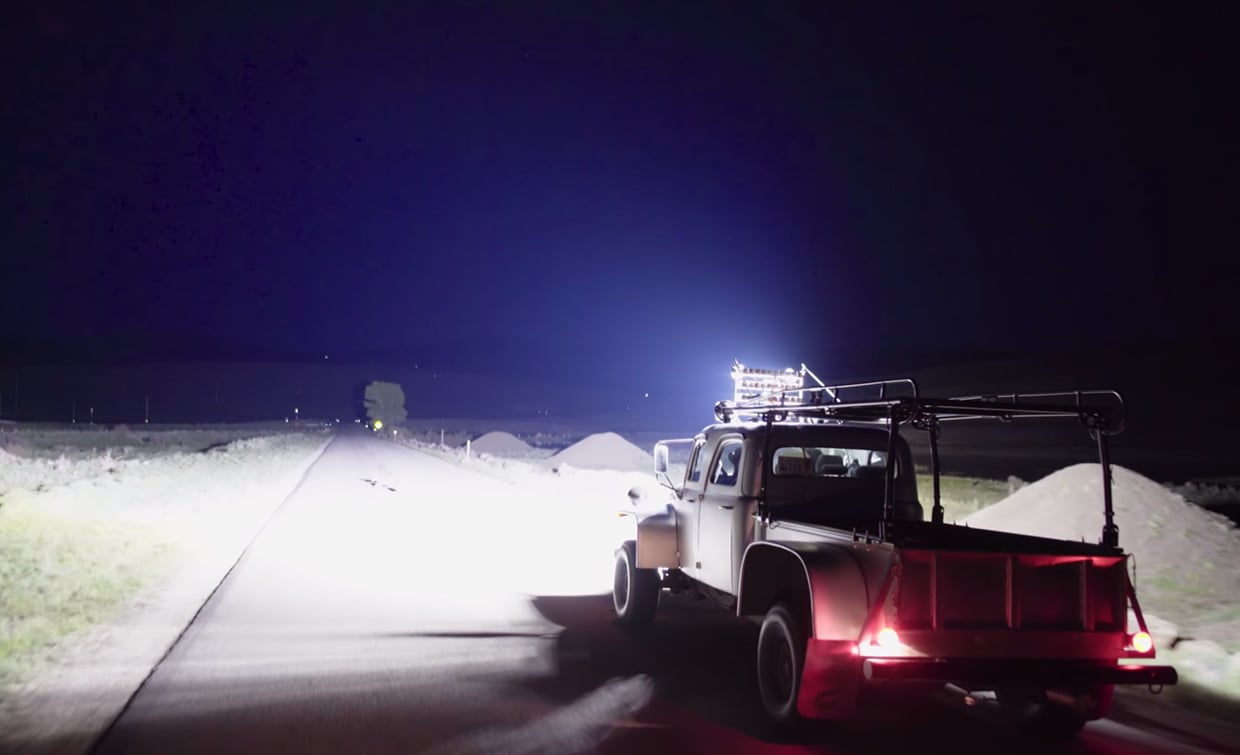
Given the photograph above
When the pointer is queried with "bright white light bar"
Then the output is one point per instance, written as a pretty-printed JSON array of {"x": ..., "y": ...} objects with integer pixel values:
[{"x": 756, "y": 383}]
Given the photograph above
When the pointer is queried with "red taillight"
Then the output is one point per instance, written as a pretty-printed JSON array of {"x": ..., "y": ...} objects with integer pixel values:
[
  {"x": 887, "y": 638},
  {"x": 1142, "y": 642}
]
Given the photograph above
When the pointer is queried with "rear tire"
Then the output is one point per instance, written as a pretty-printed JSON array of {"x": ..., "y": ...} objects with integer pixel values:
[
  {"x": 634, "y": 592},
  {"x": 781, "y": 662}
]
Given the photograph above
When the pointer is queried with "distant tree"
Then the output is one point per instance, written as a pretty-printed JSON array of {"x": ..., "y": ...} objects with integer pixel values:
[{"x": 385, "y": 402}]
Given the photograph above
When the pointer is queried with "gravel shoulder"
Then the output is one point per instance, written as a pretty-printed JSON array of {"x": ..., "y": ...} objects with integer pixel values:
[{"x": 209, "y": 504}]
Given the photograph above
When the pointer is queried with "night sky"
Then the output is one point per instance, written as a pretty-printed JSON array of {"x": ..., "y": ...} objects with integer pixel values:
[{"x": 630, "y": 183}]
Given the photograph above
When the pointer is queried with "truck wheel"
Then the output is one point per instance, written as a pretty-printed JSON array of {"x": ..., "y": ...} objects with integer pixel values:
[
  {"x": 634, "y": 592},
  {"x": 781, "y": 659}
]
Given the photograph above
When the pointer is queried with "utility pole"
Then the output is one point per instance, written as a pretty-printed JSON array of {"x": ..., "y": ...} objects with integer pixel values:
[
  {"x": 75, "y": 411},
  {"x": 146, "y": 411}
]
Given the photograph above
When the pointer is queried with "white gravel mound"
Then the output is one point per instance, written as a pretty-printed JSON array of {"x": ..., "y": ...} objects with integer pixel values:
[
  {"x": 1185, "y": 556},
  {"x": 605, "y": 451},
  {"x": 502, "y": 444}
]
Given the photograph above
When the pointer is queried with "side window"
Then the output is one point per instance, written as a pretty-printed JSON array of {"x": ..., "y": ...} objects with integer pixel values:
[
  {"x": 728, "y": 468},
  {"x": 699, "y": 463}
]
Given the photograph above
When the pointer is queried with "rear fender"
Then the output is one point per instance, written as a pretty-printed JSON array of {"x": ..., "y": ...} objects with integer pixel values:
[
  {"x": 830, "y": 575},
  {"x": 831, "y": 581}
]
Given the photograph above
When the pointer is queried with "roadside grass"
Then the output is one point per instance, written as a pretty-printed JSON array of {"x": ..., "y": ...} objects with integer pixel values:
[
  {"x": 59, "y": 576},
  {"x": 961, "y": 496}
]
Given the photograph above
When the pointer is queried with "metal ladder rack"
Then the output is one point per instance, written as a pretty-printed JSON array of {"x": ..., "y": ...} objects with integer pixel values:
[{"x": 1101, "y": 412}]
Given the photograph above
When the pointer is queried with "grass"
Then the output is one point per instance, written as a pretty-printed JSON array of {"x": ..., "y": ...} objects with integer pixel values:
[
  {"x": 961, "y": 496},
  {"x": 59, "y": 576}
]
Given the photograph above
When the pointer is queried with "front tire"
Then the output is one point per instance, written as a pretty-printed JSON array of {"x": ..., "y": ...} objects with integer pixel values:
[
  {"x": 781, "y": 662},
  {"x": 634, "y": 592}
]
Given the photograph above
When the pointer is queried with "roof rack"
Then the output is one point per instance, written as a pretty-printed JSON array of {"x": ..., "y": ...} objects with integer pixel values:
[{"x": 1102, "y": 412}]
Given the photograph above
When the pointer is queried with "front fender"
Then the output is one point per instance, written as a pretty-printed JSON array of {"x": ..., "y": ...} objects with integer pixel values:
[{"x": 656, "y": 539}]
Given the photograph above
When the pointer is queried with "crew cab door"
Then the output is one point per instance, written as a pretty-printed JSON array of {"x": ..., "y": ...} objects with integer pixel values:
[
  {"x": 687, "y": 504},
  {"x": 718, "y": 515}
]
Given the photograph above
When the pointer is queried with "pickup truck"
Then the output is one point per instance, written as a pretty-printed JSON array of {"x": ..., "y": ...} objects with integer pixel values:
[{"x": 801, "y": 511}]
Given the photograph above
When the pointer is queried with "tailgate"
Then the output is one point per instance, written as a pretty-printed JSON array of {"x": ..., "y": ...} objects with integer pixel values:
[
  {"x": 951, "y": 590},
  {"x": 989, "y": 616},
  {"x": 947, "y": 604}
]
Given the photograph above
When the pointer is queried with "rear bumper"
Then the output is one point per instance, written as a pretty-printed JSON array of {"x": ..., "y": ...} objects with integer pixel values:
[{"x": 1038, "y": 673}]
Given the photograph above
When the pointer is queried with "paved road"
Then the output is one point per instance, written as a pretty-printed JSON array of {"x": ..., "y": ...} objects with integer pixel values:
[{"x": 385, "y": 609}]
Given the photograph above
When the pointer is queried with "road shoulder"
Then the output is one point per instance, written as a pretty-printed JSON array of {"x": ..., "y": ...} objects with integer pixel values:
[{"x": 67, "y": 707}]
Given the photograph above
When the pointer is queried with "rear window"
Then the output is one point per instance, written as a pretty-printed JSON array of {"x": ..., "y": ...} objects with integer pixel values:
[{"x": 802, "y": 461}]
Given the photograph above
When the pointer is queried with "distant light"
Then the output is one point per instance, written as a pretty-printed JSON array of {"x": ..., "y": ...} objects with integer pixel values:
[
  {"x": 646, "y": 395},
  {"x": 324, "y": 356},
  {"x": 1142, "y": 642},
  {"x": 378, "y": 424}
]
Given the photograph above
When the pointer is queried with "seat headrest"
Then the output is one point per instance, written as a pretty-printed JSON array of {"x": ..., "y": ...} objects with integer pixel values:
[{"x": 828, "y": 464}]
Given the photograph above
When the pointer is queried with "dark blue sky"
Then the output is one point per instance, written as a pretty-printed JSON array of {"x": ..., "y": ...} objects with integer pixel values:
[{"x": 617, "y": 181}]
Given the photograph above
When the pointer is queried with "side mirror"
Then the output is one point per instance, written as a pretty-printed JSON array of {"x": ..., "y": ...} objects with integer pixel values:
[{"x": 660, "y": 459}]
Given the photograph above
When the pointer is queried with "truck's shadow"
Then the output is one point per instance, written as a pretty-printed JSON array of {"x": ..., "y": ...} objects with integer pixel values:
[{"x": 701, "y": 659}]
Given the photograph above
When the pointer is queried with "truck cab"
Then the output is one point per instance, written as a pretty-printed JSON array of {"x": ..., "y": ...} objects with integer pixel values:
[{"x": 828, "y": 475}]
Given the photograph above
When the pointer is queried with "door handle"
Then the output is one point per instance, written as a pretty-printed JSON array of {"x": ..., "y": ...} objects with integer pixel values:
[{"x": 727, "y": 506}]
